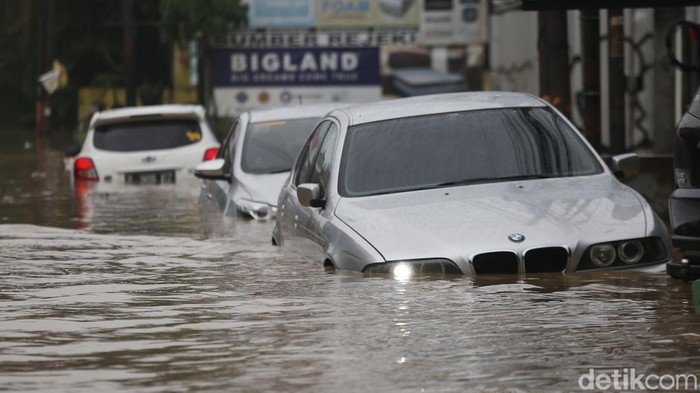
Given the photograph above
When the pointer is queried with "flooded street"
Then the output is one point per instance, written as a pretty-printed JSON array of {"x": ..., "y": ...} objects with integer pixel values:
[{"x": 138, "y": 290}]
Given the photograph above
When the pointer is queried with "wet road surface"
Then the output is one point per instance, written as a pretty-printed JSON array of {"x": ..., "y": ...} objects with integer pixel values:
[{"x": 141, "y": 291}]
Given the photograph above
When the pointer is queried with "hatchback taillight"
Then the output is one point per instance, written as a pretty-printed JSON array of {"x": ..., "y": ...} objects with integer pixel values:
[
  {"x": 211, "y": 153},
  {"x": 84, "y": 169}
]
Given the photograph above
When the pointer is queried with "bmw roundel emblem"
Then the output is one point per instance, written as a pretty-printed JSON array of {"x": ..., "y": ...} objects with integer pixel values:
[{"x": 516, "y": 237}]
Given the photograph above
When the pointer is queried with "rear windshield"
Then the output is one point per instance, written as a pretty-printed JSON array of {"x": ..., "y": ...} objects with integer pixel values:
[
  {"x": 147, "y": 135},
  {"x": 272, "y": 147},
  {"x": 461, "y": 148}
]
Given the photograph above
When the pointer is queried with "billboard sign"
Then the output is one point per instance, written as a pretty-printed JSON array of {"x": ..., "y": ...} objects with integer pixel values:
[
  {"x": 366, "y": 13},
  {"x": 452, "y": 22},
  {"x": 246, "y": 78},
  {"x": 281, "y": 14},
  {"x": 295, "y": 66}
]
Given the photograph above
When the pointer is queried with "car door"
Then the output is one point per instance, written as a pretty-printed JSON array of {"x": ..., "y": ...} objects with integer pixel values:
[
  {"x": 217, "y": 190},
  {"x": 316, "y": 218},
  {"x": 292, "y": 214}
]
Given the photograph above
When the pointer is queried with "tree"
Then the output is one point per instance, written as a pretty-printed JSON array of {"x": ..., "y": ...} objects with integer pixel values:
[{"x": 203, "y": 21}]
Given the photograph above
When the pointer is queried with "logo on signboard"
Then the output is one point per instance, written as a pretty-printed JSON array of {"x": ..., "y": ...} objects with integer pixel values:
[
  {"x": 242, "y": 97},
  {"x": 286, "y": 97}
]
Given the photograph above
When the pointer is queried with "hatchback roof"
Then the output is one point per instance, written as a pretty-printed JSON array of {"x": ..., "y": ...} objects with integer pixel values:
[
  {"x": 117, "y": 115},
  {"x": 295, "y": 112},
  {"x": 438, "y": 103}
]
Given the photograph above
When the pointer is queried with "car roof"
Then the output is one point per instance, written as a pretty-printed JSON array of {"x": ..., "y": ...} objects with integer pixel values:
[
  {"x": 438, "y": 103},
  {"x": 120, "y": 114},
  {"x": 295, "y": 112}
]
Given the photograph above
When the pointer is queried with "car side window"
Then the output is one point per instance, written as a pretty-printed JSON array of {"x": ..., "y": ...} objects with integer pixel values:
[
  {"x": 299, "y": 162},
  {"x": 306, "y": 164},
  {"x": 321, "y": 173},
  {"x": 228, "y": 149}
]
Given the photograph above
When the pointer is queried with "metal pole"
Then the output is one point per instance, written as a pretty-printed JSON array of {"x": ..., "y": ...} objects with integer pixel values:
[
  {"x": 48, "y": 61},
  {"x": 41, "y": 37},
  {"x": 664, "y": 117},
  {"x": 553, "y": 47},
  {"x": 590, "y": 42},
  {"x": 616, "y": 80},
  {"x": 129, "y": 33}
]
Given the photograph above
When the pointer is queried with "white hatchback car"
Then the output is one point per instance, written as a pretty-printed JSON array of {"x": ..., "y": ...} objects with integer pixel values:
[
  {"x": 256, "y": 157},
  {"x": 145, "y": 145}
]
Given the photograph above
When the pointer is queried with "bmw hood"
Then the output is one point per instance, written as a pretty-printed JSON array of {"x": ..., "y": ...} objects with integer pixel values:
[{"x": 458, "y": 222}]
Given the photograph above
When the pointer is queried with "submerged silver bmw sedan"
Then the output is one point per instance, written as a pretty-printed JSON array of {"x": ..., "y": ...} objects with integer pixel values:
[{"x": 470, "y": 183}]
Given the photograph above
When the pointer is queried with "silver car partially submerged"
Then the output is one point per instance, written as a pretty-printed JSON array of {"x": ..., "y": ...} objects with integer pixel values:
[
  {"x": 256, "y": 157},
  {"x": 471, "y": 183}
]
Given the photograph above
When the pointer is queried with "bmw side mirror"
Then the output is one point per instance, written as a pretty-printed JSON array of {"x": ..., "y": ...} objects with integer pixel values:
[
  {"x": 309, "y": 195},
  {"x": 626, "y": 166},
  {"x": 211, "y": 170}
]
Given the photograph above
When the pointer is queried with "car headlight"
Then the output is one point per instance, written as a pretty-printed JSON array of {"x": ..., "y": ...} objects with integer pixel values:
[
  {"x": 630, "y": 251},
  {"x": 603, "y": 255},
  {"x": 411, "y": 268},
  {"x": 623, "y": 253},
  {"x": 256, "y": 210}
]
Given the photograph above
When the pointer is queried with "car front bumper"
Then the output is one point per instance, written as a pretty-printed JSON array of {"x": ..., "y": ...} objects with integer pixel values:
[{"x": 684, "y": 271}]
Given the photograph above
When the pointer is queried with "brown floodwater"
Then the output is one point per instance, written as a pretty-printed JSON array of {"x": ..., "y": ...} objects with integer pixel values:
[{"x": 139, "y": 289}]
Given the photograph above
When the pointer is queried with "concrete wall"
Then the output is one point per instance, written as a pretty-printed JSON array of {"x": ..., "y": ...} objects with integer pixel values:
[
  {"x": 513, "y": 60},
  {"x": 513, "y": 52}
]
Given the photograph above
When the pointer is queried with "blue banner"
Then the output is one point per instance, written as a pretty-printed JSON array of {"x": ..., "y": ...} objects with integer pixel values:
[
  {"x": 295, "y": 66},
  {"x": 281, "y": 14}
]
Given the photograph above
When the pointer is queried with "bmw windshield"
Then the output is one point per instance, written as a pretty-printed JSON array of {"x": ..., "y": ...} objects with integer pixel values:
[
  {"x": 272, "y": 147},
  {"x": 460, "y": 148}
]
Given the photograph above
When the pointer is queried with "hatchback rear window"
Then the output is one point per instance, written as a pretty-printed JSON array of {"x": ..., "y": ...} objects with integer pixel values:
[{"x": 147, "y": 135}]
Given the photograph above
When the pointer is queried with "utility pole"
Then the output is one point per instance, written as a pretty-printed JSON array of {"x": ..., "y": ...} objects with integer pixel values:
[
  {"x": 590, "y": 42},
  {"x": 664, "y": 121},
  {"x": 40, "y": 69},
  {"x": 616, "y": 80},
  {"x": 129, "y": 33},
  {"x": 553, "y": 47}
]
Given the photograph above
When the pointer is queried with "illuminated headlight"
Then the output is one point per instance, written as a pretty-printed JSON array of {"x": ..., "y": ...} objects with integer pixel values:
[
  {"x": 256, "y": 210},
  {"x": 630, "y": 251},
  {"x": 408, "y": 269},
  {"x": 603, "y": 255}
]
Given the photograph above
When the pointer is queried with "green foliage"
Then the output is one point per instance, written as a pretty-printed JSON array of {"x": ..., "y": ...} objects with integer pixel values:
[
  {"x": 206, "y": 19},
  {"x": 17, "y": 62}
]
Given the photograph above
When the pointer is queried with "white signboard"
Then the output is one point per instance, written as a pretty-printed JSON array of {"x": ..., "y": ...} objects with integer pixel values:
[
  {"x": 452, "y": 22},
  {"x": 231, "y": 101}
]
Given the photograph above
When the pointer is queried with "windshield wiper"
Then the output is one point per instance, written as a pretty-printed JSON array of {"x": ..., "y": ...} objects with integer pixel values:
[
  {"x": 277, "y": 171},
  {"x": 475, "y": 180},
  {"x": 478, "y": 180}
]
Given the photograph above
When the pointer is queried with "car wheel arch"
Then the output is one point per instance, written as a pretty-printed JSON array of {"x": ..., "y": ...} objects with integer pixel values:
[{"x": 329, "y": 265}]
